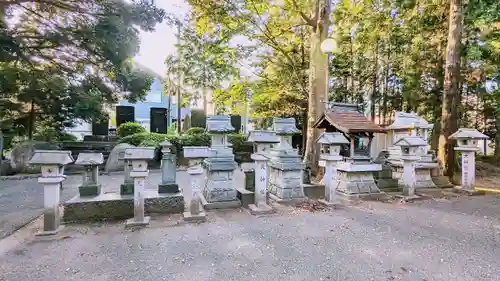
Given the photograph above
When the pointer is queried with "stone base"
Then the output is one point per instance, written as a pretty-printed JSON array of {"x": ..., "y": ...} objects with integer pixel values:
[
  {"x": 245, "y": 196},
  {"x": 329, "y": 204},
  {"x": 168, "y": 188},
  {"x": 133, "y": 223},
  {"x": 363, "y": 196},
  {"x": 470, "y": 192},
  {"x": 388, "y": 184},
  {"x": 188, "y": 217},
  {"x": 287, "y": 201},
  {"x": 49, "y": 232},
  {"x": 220, "y": 205},
  {"x": 127, "y": 188},
  {"x": 314, "y": 190},
  {"x": 260, "y": 210},
  {"x": 442, "y": 182},
  {"x": 409, "y": 198},
  {"x": 89, "y": 190},
  {"x": 113, "y": 206}
]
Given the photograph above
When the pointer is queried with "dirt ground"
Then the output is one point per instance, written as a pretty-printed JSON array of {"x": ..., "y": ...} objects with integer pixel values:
[{"x": 487, "y": 175}]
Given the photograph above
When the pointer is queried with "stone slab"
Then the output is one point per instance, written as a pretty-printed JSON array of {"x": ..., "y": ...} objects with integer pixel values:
[
  {"x": 127, "y": 188},
  {"x": 113, "y": 206},
  {"x": 133, "y": 223},
  {"x": 289, "y": 201},
  {"x": 363, "y": 196},
  {"x": 219, "y": 205},
  {"x": 260, "y": 210},
  {"x": 330, "y": 204},
  {"x": 89, "y": 190},
  {"x": 49, "y": 232},
  {"x": 314, "y": 190},
  {"x": 188, "y": 217},
  {"x": 168, "y": 188},
  {"x": 442, "y": 182},
  {"x": 245, "y": 196},
  {"x": 409, "y": 198}
]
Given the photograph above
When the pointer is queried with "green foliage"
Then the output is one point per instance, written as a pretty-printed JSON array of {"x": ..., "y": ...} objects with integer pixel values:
[
  {"x": 195, "y": 131},
  {"x": 172, "y": 129},
  {"x": 138, "y": 138},
  {"x": 240, "y": 144},
  {"x": 198, "y": 118},
  {"x": 129, "y": 128},
  {"x": 195, "y": 140},
  {"x": 70, "y": 68}
]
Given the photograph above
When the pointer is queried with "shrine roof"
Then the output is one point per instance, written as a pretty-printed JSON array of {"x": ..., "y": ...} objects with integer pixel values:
[
  {"x": 411, "y": 141},
  {"x": 332, "y": 138},
  {"x": 404, "y": 120},
  {"x": 466, "y": 133},
  {"x": 347, "y": 119}
]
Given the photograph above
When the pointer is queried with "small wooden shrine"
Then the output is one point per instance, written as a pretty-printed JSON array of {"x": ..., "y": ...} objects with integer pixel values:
[{"x": 349, "y": 120}]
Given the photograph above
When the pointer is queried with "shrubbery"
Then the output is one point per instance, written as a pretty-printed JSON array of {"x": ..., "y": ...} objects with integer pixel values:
[
  {"x": 129, "y": 128},
  {"x": 195, "y": 130},
  {"x": 193, "y": 137}
]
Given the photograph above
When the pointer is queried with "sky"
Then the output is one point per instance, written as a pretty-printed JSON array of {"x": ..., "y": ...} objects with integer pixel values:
[{"x": 157, "y": 45}]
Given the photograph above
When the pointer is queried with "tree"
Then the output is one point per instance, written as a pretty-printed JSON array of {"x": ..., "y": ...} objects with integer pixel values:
[
  {"x": 451, "y": 87},
  {"x": 66, "y": 60}
]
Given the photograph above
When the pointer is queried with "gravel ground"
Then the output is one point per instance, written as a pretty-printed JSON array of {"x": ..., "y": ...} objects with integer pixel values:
[
  {"x": 21, "y": 201},
  {"x": 434, "y": 240}
]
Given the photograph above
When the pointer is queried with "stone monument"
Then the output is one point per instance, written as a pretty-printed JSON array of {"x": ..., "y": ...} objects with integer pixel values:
[
  {"x": 139, "y": 157},
  {"x": 286, "y": 167},
  {"x": 127, "y": 187},
  {"x": 467, "y": 140},
  {"x": 410, "y": 147},
  {"x": 220, "y": 190},
  {"x": 263, "y": 141},
  {"x": 168, "y": 170},
  {"x": 194, "y": 210},
  {"x": 91, "y": 162},
  {"x": 405, "y": 125},
  {"x": 330, "y": 144},
  {"x": 52, "y": 164}
]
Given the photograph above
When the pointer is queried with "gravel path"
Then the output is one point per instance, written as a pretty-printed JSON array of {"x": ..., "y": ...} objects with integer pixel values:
[
  {"x": 21, "y": 201},
  {"x": 435, "y": 240}
]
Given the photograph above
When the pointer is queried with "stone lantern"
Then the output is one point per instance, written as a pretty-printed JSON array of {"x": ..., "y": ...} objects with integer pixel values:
[
  {"x": 410, "y": 154},
  {"x": 286, "y": 167},
  {"x": 330, "y": 145},
  {"x": 220, "y": 190},
  {"x": 91, "y": 162},
  {"x": 52, "y": 165},
  {"x": 168, "y": 170},
  {"x": 467, "y": 141},
  {"x": 139, "y": 157},
  {"x": 194, "y": 210},
  {"x": 263, "y": 141}
]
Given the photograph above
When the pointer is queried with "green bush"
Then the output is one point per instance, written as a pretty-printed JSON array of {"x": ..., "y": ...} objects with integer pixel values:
[
  {"x": 202, "y": 139},
  {"x": 137, "y": 139},
  {"x": 129, "y": 128},
  {"x": 195, "y": 131},
  {"x": 240, "y": 144}
]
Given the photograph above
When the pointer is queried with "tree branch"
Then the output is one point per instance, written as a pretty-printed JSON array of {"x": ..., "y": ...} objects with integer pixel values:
[{"x": 310, "y": 21}]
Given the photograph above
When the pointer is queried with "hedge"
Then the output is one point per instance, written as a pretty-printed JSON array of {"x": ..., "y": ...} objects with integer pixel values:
[
  {"x": 129, "y": 128},
  {"x": 238, "y": 141}
]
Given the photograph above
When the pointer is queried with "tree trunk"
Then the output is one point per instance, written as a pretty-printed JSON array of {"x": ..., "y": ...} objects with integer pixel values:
[
  {"x": 450, "y": 88},
  {"x": 373, "y": 96},
  {"x": 31, "y": 120},
  {"x": 318, "y": 80}
]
